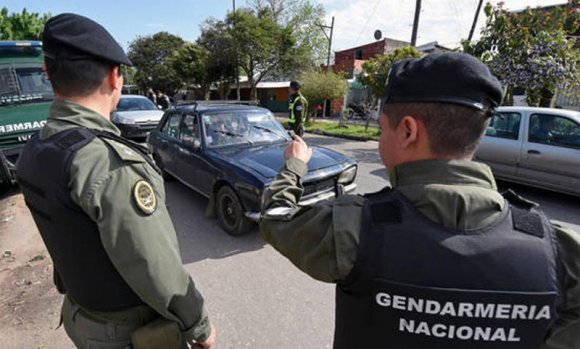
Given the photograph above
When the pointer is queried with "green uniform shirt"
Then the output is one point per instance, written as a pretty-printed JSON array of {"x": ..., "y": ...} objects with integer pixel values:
[
  {"x": 143, "y": 248},
  {"x": 322, "y": 240}
]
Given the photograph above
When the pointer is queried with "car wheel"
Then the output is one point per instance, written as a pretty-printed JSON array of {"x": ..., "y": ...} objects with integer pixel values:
[
  {"x": 166, "y": 176},
  {"x": 350, "y": 113},
  {"x": 231, "y": 213}
]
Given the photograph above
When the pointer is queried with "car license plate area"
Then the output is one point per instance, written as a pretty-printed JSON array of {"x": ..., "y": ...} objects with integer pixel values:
[{"x": 318, "y": 187}]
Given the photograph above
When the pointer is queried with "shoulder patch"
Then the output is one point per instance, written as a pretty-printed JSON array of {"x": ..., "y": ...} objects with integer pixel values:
[
  {"x": 124, "y": 152},
  {"x": 144, "y": 197}
]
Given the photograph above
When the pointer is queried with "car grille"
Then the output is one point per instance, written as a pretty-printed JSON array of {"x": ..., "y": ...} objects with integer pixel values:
[
  {"x": 318, "y": 187},
  {"x": 11, "y": 141}
]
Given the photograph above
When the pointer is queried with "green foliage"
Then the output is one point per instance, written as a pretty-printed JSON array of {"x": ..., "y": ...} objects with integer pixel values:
[
  {"x": 263, "y": 47},
  {"x": 333, "y": 128},
  {"x": 221, "y": 62},
  {"x": 376, "y": 69},
  {"x": 191, "y": 64},
  {"x": 152, "y": 57},
  {"x": 22, "y": 26},
  {"x": 303, "y": 18},
  {"x": 318, "y": 86},
  {"x": 530, "y": 49}
]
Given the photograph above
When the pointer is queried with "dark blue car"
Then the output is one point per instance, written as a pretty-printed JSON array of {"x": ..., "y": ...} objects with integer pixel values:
[{"x": 230, "y": 153}]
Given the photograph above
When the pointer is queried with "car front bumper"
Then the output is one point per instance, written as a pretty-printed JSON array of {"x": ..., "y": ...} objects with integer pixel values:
[
  {"x": 311, "y": 200},
  {"x": 136, "y": 130}
]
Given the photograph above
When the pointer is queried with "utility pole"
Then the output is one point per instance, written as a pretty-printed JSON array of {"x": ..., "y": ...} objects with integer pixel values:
[
  {"x": 475, "y": 20},
  {"x": 329, "y": 44},
  {"x": 237, "y": 61},
  {"x": 329, "y": 37},
  {"x": 416, "y": 23}
]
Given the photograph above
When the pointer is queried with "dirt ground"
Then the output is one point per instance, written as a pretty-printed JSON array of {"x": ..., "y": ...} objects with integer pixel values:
[{"x": 29, "y": 303}]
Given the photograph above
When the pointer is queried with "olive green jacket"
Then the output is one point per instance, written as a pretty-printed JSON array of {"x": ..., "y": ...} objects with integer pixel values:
[
  {"x": 143, "y": 248},
  {"x": 322, "y": 240}
]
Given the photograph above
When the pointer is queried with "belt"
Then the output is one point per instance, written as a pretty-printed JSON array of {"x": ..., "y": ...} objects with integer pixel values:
[{"x": 140, "y": 314}]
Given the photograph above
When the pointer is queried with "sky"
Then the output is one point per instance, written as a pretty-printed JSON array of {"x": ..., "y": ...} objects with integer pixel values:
[{"x": 445, "y": 21}]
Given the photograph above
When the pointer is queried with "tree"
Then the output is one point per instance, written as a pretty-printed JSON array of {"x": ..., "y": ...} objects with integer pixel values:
[
  {"x": 222, "y": 61},
  {"x": 263, "y": 47},
  {"x": 319, "y": 86},
  {"x": 303, "y": 18},
  {"x": 152, "y": 57},
  {"x": 376, "y": 69},
  {"x": 22, "y": 26},
  {"x": 530, "y": 50},
  {"x": 191, "y": 64}
]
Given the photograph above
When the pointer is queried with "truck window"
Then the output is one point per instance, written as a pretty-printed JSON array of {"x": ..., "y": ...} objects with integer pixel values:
[
  {"x": 504, "y": 125},
  {"x": 23, "y": 85},
  {"x": 554, "y": 130}
]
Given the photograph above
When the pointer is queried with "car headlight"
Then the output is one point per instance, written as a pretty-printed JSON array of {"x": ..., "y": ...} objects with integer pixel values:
[
  {"x": 118, "y": 119},
  {"x": 347, "y": 176}
]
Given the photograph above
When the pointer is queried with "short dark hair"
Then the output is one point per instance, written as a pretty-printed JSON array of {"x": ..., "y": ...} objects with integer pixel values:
[
  {"x": 453, "y": 130},
  {"x": 295, "y": 85},
  {"x": 77, "y": 77}
]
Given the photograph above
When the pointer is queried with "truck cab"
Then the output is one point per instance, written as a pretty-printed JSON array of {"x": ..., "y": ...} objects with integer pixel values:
[{"x": 25, "y": 97}]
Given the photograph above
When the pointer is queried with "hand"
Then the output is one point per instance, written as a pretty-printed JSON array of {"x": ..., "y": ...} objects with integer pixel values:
[
  {"x": 298, "y": 149},
  {"x": 208, "y": 342}
]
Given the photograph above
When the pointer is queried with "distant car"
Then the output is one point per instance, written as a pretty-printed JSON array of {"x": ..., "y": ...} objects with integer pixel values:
[
  {"x": 534, "y": 146},
  {"x": 136, "y": 116},
  {"x": 231, "y": 153}
]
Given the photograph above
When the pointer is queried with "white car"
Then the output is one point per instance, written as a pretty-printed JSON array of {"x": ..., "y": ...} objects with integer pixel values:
[
  {"x": 534, "y": 146},
  {"x": 136, "y": 116}
]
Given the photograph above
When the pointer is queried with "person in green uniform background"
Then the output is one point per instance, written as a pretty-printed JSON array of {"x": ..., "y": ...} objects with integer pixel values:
[
  {"x": 442, "y": 234},
  {"x": 99, "y": 203},
  {"x": 298, "y": 107}
]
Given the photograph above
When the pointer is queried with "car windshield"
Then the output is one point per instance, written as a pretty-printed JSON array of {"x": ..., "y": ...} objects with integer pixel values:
[
  {"x": 131, "y": 104},
  {"x": 242, "y": 127}
]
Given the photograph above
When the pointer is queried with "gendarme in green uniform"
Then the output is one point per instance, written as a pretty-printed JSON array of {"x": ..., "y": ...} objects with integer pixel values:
[
  {"x": 323, "y": 240},
  {"x": 441, "y": 260},
  {"x": 144, "y": 250}
]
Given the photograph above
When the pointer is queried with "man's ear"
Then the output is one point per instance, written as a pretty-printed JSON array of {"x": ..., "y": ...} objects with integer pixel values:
[
  {"x": 407, "y": 131},
  {"x": 115, "y": 80}
]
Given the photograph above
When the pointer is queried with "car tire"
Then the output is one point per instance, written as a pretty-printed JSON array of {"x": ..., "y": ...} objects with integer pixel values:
[
  {"x": 350, "y": 114},
  {"x": 166, "y": 176},
  {"x": 231, "y": 213}
]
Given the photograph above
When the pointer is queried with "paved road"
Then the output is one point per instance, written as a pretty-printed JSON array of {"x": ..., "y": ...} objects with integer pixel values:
[{"x": 257, "y": 299}]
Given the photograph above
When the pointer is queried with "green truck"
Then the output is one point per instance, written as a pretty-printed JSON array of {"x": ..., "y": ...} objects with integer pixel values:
[{"x": 25, "y": 97}]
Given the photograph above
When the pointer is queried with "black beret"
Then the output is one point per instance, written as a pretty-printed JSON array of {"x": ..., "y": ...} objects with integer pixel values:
[
  {"x": 295, "y": 85},
  {"x": 71, "y": 36},
  {"x": 450, "y": 77}
]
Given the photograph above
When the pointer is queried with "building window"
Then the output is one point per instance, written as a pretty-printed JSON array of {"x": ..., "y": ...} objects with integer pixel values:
[{"x": 358, "y": 53}]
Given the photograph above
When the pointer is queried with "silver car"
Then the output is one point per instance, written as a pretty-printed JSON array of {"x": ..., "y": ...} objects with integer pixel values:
[
  {"x": 135, "y": 116},
  {"x": 534, "y": 146}
]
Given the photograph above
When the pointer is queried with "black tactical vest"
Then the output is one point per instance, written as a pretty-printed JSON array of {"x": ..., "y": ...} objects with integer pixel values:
[
  {"x": 417, "y": 284},
  {"x": 71, "y": 237}
]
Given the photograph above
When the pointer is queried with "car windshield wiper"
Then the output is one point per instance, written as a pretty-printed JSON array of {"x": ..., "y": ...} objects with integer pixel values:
[
  {"x": 232, "y": 134},
  {"x": 271, "y": 131}
]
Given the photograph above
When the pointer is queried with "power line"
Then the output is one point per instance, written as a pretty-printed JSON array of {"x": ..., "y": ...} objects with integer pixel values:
[{"x": 368, "y": 20}]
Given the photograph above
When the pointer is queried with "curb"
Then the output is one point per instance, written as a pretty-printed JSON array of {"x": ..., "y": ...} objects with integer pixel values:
[{"x": 352, "y": 138}]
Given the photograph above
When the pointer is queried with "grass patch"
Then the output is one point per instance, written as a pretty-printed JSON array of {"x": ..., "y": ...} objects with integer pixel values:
[{"x": 349, "y": 130}]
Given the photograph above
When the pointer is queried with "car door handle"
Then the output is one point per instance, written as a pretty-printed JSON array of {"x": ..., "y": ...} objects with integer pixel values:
[{"x": 534, "y": 152}]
